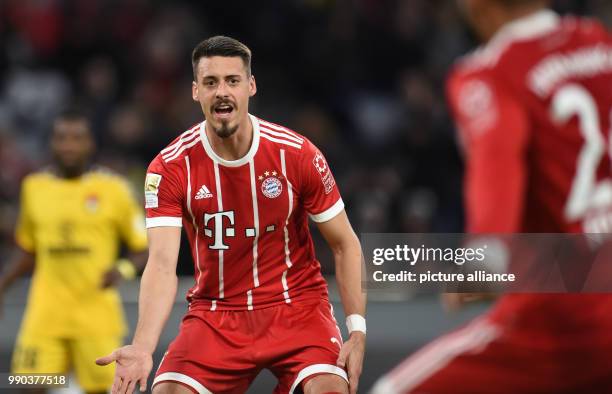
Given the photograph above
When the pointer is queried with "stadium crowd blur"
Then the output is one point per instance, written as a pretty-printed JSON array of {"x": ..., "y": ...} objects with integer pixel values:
[{"x": 363, "y": 79}]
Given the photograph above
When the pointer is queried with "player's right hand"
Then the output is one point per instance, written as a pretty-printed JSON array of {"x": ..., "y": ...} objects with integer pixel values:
[
  {"x": 133, "y": 367},
  {"x": 455, "y": 301}
]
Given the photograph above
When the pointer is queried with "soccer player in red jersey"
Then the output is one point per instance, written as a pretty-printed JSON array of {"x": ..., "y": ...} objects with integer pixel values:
[
  {"x": 533, "y": 108},
  {"x": 243, "y": 189}
]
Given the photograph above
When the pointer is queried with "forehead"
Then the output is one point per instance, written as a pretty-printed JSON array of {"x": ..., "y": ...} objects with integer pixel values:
[
  {"x": 71, "y": 126},
  {"x": 220, "y": 66}
]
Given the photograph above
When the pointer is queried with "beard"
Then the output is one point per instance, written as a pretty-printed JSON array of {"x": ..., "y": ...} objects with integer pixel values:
[
  {"x": 225, "y": 131},
  {"x": 70, "y": 169}
]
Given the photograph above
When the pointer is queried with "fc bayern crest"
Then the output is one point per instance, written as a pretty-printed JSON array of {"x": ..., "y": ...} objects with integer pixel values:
[{"x": 271, "y": 187}]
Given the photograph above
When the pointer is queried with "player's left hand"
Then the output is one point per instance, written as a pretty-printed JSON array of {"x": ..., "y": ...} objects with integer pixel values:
[
  {"x": 111, "y": 278},
  {"x": 351, "y": 358}
]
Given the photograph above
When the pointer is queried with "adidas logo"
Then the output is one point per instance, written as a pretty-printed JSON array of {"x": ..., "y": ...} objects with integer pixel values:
[{"x": 203, "y": 193}]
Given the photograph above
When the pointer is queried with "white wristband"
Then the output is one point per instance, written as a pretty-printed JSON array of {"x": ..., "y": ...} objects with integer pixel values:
[{"x": 356, "y": 322}]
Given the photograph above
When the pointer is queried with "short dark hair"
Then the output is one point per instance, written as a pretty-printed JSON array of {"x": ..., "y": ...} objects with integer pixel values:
[
  {"x": 220, "y": 46},
  {"x": 72, "y": 114},
  {"x": 516, "y": 3}
]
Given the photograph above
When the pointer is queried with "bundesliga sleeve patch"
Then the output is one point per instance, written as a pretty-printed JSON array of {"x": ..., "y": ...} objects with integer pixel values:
[
  {"x": 324, "y": 172},
  {"x": 152, "y": 182}
]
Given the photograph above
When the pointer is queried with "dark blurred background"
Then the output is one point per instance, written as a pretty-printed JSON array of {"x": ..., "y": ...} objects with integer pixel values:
[{"x": 363, "y": 79}]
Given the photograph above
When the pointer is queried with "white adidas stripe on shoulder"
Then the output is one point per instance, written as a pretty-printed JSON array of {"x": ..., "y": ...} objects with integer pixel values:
[
  {"x": 280, "y": 134},
  {"x": 173, "y": 156},
  {"x": 176, "y": 146},
  {"x": 278, "y": 140},
  {"x": 185, "y": 137},
  {"x": 279, "y": 128},
  {"x": 181, "y": 136}
]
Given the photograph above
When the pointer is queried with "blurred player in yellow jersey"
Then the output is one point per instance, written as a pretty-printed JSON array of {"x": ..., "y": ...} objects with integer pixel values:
[{"x": 73, "y": 219}]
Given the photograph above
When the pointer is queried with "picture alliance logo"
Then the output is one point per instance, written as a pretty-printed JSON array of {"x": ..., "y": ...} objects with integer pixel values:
[{"x": 407, "y": 254}]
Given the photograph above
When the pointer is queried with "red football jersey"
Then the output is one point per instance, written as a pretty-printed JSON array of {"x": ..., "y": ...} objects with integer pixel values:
[
  {"x": 246, "y": 220},
  {"x": 534, "y": 109}
]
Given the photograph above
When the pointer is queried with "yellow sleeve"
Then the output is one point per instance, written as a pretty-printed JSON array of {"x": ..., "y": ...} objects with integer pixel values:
[
  {"x": 130, "y": 219},
  {"x": 24, "y": 231}
]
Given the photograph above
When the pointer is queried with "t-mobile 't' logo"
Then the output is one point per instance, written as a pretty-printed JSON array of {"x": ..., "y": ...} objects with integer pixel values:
[{"x": 219, "y": 227}]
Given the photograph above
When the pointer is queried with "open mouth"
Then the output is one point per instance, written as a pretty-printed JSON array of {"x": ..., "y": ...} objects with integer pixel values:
[{"x": 223, "y": 109}]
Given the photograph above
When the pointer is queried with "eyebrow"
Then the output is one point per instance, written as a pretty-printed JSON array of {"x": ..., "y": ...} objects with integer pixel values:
[{"x": 225, "y": 77}]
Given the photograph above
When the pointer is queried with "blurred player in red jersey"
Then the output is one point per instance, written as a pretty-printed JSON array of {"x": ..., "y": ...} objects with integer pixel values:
[
  {"x": 243, "y": 189},
  {"x": 533, "y": 108}
]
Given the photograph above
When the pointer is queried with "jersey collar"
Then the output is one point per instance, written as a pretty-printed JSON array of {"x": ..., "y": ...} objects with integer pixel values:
[
  {"x": 527, "y": 27},
  {"x": 232, "y": 163}
]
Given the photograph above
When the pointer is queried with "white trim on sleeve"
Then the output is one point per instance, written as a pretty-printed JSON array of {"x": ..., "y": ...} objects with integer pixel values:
[
  {"x": 164, "y": 221},
  {"x": 179, "y": 377},
  {"x": 315, "y": 369},
  {"x": 328, "y": 214},
  {"x": 384, "y": 386}
]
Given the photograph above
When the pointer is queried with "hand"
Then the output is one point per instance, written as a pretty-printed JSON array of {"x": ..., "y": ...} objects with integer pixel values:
[
  {"x": 111, "y": 278},
  {"x": 351, "y": 358},
  {"x": 455, "y": 301},
  {"x": 133, "y": 366}
]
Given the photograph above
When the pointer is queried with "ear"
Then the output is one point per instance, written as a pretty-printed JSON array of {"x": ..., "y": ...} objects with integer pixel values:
[
  {"x": 252, "y": 86},
  {"x": 194, "y": 91}
]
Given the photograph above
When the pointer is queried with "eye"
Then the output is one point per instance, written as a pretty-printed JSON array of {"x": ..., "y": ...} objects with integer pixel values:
[
  {"x": 234, "y": 81},
  {"x": 209, "y": 82}
]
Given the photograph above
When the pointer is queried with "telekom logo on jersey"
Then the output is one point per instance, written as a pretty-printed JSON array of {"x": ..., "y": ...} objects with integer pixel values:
[{"x": 218, "y": 220}]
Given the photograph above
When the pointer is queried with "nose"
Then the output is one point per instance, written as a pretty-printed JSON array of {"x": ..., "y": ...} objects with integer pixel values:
[
  {"x": 222, "y": 90},
  {"x": 69, "y": 149}
]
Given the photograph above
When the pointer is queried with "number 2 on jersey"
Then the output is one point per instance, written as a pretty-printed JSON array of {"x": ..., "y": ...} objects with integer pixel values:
[{"x": 586, "y": 193}]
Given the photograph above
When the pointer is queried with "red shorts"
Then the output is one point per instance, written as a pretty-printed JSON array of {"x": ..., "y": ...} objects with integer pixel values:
[
  {"x": 223, "y": 351},
  {"x": 491, "y": 357}
]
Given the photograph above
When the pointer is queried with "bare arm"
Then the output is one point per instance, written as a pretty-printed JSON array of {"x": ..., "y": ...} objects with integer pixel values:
[
  {"x": 157, "y": 292},
  {"x": 348, "y": 258},
  {"x": 21, "y": 263},
  {"x": 157, "y": 286},
  {"x": 125, "y": 269},
  {"x": 139, "y": 259}
]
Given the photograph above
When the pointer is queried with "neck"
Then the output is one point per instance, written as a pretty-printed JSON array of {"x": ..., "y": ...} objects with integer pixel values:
[
  {"x": 235, "y": 146},
  {"x": 68, "y": 173},
  {"x": 511, "y": 14}
]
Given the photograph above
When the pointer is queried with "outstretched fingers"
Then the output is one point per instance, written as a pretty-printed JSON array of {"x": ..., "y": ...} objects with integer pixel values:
[{"x": 114, "y": 356}]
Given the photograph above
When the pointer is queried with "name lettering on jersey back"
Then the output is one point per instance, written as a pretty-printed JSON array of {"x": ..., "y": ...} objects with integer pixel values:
[{"x": 581, "y": 63}]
